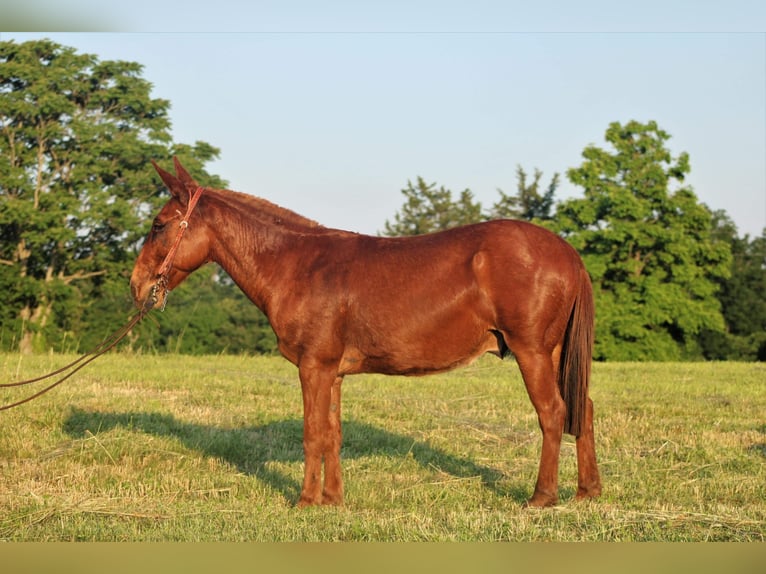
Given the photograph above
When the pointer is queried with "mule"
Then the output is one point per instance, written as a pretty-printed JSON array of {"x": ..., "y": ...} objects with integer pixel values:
[{"x": 342, "y": 303}]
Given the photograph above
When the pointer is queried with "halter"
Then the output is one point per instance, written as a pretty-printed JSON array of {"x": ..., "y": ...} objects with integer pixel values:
[{"x": 164, "y": 269}]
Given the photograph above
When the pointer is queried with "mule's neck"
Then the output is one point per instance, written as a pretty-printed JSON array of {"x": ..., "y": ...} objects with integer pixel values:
[{"x": 255, "y": 241}]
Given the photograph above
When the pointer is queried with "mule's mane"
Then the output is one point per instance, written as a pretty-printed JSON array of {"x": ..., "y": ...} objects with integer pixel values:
[{"x": 257, "y": 207}]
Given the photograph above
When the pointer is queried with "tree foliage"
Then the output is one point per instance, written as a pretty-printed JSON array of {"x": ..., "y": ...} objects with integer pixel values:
[
  {"x": 741, "y": 296},
  {"x": 529, "y": 203},
  {"x": 648, "y": 244},
  {"x": 76, "y": 188},
  {"x": 428, "y": 209}
]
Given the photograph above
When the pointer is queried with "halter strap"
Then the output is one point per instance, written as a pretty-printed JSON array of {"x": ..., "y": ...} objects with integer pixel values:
[
  {"x": 161, "y": 286},
  {"x": 162, "y": 272}
]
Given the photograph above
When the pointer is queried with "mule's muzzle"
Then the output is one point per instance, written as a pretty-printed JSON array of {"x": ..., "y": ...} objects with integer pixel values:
[{"x": 157, "y": 296}]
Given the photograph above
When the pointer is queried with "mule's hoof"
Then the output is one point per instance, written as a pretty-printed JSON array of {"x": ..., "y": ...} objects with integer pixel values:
[
  {"x": 541, "y": 501},
  {"x": 588, "y": 493},
  {"x": 332, "y": 499},
  {"x": 305, "y": 502},
  {"x": 325, "y": 500}
]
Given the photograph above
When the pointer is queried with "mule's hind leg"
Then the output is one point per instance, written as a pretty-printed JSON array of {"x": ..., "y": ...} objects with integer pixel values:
[
  {"x": 588, "y": 480},
  {"x": 539, "y": 372}
]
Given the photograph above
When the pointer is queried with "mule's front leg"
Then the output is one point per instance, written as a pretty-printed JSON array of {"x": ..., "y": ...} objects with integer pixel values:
[
  {"x": 321, "y": 436},
  {"x": 333, "y": 478}
]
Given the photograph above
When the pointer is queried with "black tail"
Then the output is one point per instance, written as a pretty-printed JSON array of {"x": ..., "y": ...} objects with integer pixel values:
[{"x": 576, "y": 356}]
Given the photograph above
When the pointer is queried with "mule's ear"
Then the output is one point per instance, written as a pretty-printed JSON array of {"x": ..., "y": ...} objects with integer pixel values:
[
  {"x": 184, "y": 176},
  {"x": 187, "y": 182},
  {"x": 173, "y": 184}
]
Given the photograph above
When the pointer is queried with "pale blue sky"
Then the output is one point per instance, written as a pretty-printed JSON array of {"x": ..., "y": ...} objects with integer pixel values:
[{"x": 330, "y": 112}]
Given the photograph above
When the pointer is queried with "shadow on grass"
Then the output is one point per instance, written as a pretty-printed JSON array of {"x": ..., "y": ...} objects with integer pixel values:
[{"x": 250, "y": 449}]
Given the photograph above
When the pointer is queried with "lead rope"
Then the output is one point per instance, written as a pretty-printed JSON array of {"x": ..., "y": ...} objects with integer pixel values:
[
  {"x": 110, "y": 342},
  {"x": 105, "y": 346}
]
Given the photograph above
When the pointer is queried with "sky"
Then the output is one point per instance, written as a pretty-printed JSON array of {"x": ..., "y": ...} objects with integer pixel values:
[{"x": 329, "y": 110}]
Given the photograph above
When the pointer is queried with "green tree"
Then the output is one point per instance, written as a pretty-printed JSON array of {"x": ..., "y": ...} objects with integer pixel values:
[
  {"x": 648, "y": 245},
  {"x": 741, "y": 296},
  {"x": 529, "y": 203},
  {"x": 76, "y": 187},
  {"x": 428, "y": 209}
]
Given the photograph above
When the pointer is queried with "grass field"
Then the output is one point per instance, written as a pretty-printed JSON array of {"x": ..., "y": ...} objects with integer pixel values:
[{"x": 172, "y": 448}]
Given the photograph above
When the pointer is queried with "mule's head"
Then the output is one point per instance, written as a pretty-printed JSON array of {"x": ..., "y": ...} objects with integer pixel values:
[{"x": 193, "y": 250}]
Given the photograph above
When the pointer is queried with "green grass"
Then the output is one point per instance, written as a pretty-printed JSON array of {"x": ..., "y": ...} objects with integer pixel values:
[{"x": 165, "y": 448}]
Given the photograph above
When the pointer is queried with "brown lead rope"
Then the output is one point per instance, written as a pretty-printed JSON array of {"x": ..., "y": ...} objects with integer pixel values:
[
  {"x": 110, "y": 342},
  {"x": 107, "y": 345}
]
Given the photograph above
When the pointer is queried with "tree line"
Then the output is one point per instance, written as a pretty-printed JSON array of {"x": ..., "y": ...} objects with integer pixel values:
[{"x": 673, "y": 280}]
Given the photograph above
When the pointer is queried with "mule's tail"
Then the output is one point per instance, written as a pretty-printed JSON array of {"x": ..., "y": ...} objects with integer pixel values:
[{"x": 576, "y": 355}]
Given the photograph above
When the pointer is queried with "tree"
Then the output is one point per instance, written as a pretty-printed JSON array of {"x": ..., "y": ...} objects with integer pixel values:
[
  {"x": 741, "y": 297},
  {"x": 528, "y": 203},
  {"x": 648, "y": 245},
  {"x": 76, "y": 137},
  {"x": 429, "y": 209}
]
